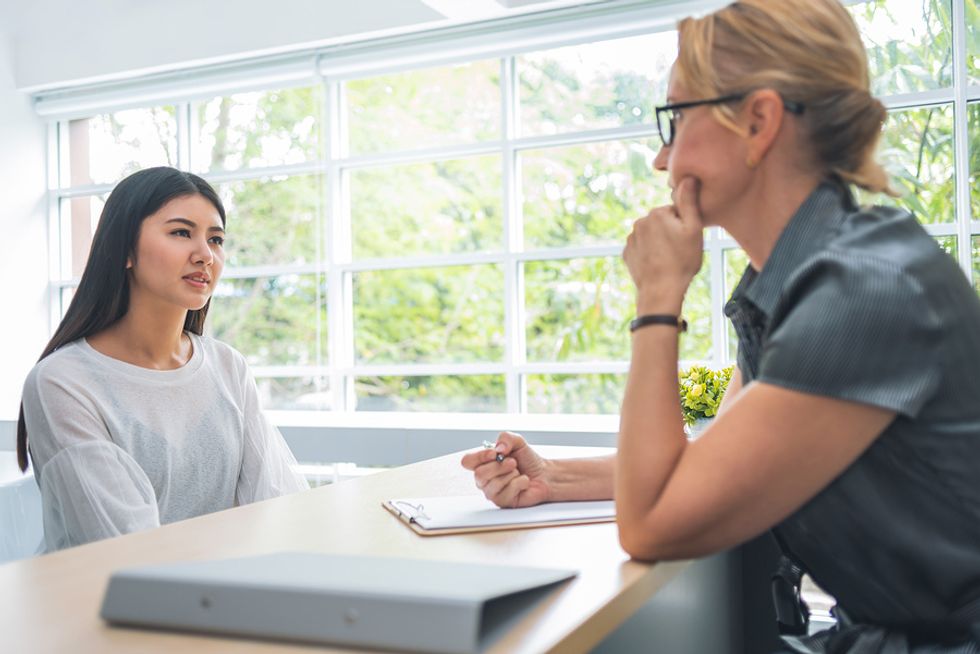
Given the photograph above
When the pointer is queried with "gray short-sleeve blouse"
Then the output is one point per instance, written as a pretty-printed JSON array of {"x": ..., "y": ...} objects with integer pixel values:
[{"x": 863, "y": 305}]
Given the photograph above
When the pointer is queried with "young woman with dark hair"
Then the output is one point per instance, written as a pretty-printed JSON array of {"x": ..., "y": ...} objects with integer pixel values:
[{"x": 131, "y": 417}]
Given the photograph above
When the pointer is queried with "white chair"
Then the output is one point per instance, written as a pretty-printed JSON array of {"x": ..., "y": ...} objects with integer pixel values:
[{"x": 21, "y": 530}]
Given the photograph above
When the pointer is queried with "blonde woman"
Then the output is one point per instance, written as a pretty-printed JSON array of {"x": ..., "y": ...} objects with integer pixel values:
[{"x": 851, "y": 428}]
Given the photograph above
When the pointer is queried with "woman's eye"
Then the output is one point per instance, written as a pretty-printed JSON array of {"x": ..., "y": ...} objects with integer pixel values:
[
  {"x": 181, "y": 232},
  {"x": 218, "y": 240}
]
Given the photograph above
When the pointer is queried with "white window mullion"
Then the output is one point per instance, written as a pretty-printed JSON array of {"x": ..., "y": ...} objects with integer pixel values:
[
  {"x": 56, "y": 135},
  {"x": 335, "y": 249},
  {"x": 716, "y": 260},
  {"x": 961, "y": 140},
  {"x": 513, "y": 297},
  {"x": 184, "y": 128}
]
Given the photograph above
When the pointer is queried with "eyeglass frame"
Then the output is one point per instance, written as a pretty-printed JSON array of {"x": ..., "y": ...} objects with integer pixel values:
[{"x": 790, "y": 105}]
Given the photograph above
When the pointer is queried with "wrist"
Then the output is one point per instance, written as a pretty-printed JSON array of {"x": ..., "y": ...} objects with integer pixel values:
[{"x": 659, "y": 301}]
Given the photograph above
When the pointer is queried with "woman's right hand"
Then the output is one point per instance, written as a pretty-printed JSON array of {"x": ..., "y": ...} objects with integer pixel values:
[{"x": 517, "y": 481}]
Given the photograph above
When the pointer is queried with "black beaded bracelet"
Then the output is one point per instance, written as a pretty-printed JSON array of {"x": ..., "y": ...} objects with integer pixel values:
[{"x": 658, "y": 319}]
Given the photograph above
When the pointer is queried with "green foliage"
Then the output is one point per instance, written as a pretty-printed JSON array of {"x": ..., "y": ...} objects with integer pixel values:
[
  {"x": 470, "y": 393},
  {"x": 973, "y": 42},
  {"x": 425, "y": 108},
  {"x": 273, "y": 221},
  {"x": 909, "y": 44},
  {"x": 590, "y": 394},
  {"x": 917, "y": 150},
  {"x": 701, "y": 391},
  {"x": 582, "y": 195},
  {"x": 432, "y": 208},
  {"x": 279, "y": 320},
  {"x": 429, "y": 315}
]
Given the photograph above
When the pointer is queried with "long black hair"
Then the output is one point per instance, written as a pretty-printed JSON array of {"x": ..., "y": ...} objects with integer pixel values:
[{"x": 102, "y": 297}]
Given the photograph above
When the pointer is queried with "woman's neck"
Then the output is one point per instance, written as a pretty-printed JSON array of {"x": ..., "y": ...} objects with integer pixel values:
[
  {"x": 765, "y": 210},
  {"x": 145, "y": 338}
]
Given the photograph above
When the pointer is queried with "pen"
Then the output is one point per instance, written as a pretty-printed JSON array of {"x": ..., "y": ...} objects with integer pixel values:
[{"x": 487, "y": 445}]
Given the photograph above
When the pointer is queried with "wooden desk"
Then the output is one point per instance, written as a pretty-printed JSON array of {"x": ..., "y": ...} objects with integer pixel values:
[{"x": 51, "y": 603}]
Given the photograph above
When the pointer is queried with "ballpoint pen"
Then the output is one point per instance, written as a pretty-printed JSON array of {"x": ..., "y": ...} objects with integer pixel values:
[{"x": 487, "y": 445}]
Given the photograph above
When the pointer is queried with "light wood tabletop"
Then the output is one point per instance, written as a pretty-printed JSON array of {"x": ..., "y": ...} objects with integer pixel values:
[{"x": 51, "y": 603}]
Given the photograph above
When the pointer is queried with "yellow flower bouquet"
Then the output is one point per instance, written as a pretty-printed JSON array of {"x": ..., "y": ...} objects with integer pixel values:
[{"x": 701, "y": 390}]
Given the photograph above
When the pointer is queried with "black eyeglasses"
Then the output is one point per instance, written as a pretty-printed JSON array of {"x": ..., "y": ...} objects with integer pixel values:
[{"x": 667, "y": 118}]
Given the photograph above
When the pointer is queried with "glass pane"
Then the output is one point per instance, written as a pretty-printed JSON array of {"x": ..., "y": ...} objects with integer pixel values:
[
  {"x": 432, "y": 315},
  {"x": 696, "y": 343},
  {"x": 431, "y": 208},
  {"x": 601, "y": 393},
  {"x": 105, "y": 148},
  {"x": 79, "y": 219},
  {"x": 596, "y": 85},
  {"x": 917, "y": 149},
  {"x": 909, "y": 44},
  {"x": 973, "y": 40},
  {"x": 579, "y": 310},
  {"x": 469, "y": 393},
  {"x": 735, "y": 264},
  {"x": 975, "y": 249},
  {"x": 273, "y": 220},
  {"x": 276, "y": 320},
  {"x": 249, "y": 130},
  {"x": 588, "y": 194},
  {"x": 66, "y": 296},
  {"x": 425, "y": 108},
  {"x": 948, "y": 244},
  {"x": 973, "y": 117},
  {"x": 294, "y": 393}
]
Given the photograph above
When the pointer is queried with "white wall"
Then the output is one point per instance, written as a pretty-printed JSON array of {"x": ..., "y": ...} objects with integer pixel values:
[
  {"x": 66, "y": 41},
  {"x": 23, "y": 237}
]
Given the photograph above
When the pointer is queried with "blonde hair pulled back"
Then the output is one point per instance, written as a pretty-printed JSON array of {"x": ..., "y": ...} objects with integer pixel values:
[{"x": 809, "y": 51}]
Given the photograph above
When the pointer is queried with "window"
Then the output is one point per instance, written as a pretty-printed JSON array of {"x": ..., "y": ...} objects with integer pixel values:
[{"x": 447, "y": 237}]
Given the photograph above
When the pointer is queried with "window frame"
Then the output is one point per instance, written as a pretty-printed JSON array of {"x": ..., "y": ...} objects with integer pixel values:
[{"x": 327, "y": 71}]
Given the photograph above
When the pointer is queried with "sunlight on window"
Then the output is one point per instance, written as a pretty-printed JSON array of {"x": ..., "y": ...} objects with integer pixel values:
[
  {"x": 106, "y": 148},
  {"x": 255, "y": 130},
  {"x": 596, "y": 85},
  {"x": 909, "y": 44}
]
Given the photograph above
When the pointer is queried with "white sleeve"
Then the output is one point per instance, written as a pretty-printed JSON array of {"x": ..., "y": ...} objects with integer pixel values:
[
  {"x": 90, "y": 488},
  {"x": 94, "y": 490},
  {"x": 268, "y": 466}
]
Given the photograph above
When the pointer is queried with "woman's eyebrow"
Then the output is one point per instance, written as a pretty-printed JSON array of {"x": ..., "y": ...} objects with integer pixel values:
[{"x": 191, "y": 223}]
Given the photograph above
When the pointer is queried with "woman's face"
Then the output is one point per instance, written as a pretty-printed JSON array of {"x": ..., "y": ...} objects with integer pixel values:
[
  {"x": 179, "y": 253},
  {"x": 706, "y": 150}
]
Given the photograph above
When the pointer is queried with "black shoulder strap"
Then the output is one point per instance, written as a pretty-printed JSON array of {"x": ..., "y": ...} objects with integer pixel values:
[{"x": 792, "y": 613}]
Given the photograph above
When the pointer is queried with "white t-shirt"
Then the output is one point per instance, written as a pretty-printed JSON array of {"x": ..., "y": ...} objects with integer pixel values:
[{"x": 118, "y": 448}]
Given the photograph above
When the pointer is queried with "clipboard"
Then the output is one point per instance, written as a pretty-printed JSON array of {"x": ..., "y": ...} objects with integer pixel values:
[{"x": 464, "y": 514}]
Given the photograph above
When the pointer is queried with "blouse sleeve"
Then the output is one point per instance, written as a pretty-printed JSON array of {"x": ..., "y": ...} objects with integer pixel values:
[
  {"x": 268, "y": 466},
  {"x": 90, "y": 488},
  {"x": 855, "y": 329}
]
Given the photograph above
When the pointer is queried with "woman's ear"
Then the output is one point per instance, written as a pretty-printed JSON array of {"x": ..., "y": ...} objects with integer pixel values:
[{"x": 763, "y": 113}]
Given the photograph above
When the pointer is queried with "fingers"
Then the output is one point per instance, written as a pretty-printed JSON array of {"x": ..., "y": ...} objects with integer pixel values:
[
  {"x": 495, "y": 487},
  {"x": 510, "y": 495},
  {"x": 686, "y": 202},
  {"x": 491, "y": 470},
  {"x": 508, "y": 442}
]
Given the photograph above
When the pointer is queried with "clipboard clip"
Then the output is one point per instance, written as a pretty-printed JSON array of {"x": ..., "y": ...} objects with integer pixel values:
[{"x": 417, "y": 510}]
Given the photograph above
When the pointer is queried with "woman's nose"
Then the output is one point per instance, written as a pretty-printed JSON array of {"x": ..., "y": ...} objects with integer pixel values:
[
  {"x": 203, "y": 254},
  {"x": 660, "y": 161}
]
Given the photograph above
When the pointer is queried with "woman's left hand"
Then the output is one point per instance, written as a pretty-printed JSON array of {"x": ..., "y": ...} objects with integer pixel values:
[{"x": 664, "y": 251}]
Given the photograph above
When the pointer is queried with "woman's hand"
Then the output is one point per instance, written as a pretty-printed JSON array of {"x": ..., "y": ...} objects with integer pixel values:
[
  {"x": 517, "y": 481},
  {"x": 664, "y": 251}
]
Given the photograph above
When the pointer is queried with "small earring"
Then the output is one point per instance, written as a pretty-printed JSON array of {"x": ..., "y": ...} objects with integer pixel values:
[{"x": 751, "y": 162}]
